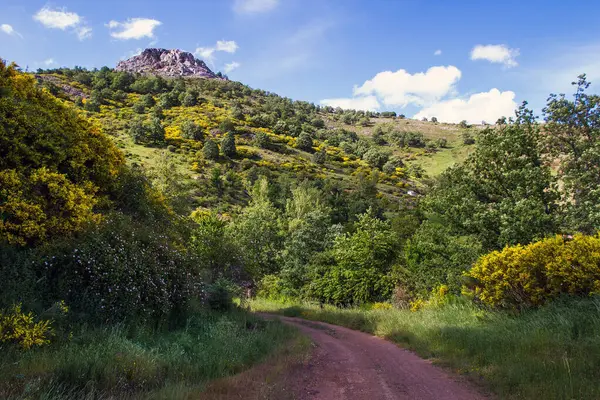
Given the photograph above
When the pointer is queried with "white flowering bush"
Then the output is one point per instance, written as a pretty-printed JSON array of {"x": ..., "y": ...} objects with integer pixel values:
[{"x": 120, "y": 271}]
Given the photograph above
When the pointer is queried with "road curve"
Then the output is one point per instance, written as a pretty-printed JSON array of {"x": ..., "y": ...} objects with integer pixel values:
[{"x": 352, "y": 365}]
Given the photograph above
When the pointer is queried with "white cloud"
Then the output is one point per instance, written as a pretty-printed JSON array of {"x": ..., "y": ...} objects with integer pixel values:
[
  {"x": 401, "y": 88},
  {"x": 438, "y": 52},
  {"x": 83, "y": 32},
  {"x": 9, "y": 30},
  {"x": 49, "y": 62},
  {"x": 63, "y": 20},
  {"x": 228, "y": 46},
  {"x": 366, "y": 103},
  {"x": 485, "y": 106},
  {"x": 231, "y": 66},
  {"x": 254, "y": 6},
  {"x": 208, "y": 53},
  {"x": 496, "y": 53},
  {"x": 133, "y": 28},
  {"x": 57, "y": 19}
]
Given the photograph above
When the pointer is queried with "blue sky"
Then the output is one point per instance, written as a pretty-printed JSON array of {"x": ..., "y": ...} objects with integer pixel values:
[{"x": 456, "y": 60}]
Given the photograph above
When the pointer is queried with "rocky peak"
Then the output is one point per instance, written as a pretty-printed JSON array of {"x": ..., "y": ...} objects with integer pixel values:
[{"x": 169, "y": 63}]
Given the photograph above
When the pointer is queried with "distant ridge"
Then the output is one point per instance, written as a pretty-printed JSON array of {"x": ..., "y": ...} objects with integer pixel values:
[{"x": 168, "y": 63}]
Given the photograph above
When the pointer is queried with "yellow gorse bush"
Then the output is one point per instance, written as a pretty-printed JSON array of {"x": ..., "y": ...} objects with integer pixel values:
[
  {"x": 533, "y": 274},
  {"x": 20, "y": 328}
]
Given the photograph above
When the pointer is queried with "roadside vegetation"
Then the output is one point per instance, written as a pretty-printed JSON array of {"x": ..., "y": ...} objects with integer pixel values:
[
  {"x": 547, "y": 353},
  {"x": 133, "y": 209}
]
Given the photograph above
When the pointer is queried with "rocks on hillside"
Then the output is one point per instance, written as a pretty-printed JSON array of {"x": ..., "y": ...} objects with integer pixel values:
[{"x": 169, "y": 63}]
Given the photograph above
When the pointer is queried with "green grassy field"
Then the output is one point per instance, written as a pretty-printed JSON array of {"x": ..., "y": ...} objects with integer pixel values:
[
  {"x": 550, "y": 353},
  {"x": 133, "y": 363}
]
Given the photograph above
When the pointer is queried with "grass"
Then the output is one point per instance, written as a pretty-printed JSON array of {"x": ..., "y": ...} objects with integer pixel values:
[
  {"x": 549, "y": 353},
  {"x": 135, "y": 362}
]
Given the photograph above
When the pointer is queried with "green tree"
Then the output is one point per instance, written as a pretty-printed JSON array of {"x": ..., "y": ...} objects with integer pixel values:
[
  {"x": 572, "y": 135},
  {"x": 226, "y": 126},
  {"x": 308, "y": 233},
  {"x": 228, "y": 145},
  {"x": 357, "y": 269},
  {"x": 435, "y": 255},
  {"x": 210, "y": 150},
  {"x": 262, "y": 140},
  {"x": 212, "y": 244},
  {"x": 188, "y": 99},
  {"x": 320, "y": 157},
  {"x": 503, "y": 193},
  {"x": 376, "y": 157},
  {"x": 304, "y": 142},
  {"x": 156, "y": 131},
  {"x": 257, "y": 232},
  {"x": 191, "y": 130},
  {"x": 138, "y": 131},
  {"x": 147, "y": 100}
]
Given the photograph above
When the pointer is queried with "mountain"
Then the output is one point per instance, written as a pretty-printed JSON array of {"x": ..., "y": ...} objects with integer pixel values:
[{"x": 169, "y": 63}]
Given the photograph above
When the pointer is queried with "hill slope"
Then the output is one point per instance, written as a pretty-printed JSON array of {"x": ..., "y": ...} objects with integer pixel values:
[{"x": 272, "y": 134}]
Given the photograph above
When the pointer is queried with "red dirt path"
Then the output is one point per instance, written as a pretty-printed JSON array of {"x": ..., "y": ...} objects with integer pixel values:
[{"x": 352, "y": 365}]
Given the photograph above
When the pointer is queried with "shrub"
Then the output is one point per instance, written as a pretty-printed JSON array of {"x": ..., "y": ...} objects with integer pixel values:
[
  {"x": 270, "y": 287},
  {"x": 381, "y": 306},
  {"x": 191, "y": 130},
  {"x": 304, "y": 142},
  {"x": 118, "y": 271},
  {"x": 20, "y": 328},
  {"x": 262, "y": 140},
  {"x": 531, "y": 275},
  {"x": 219, "y": 296},
  {"x": 228, "y": 145},
  {"x": 210, "y": 150}
]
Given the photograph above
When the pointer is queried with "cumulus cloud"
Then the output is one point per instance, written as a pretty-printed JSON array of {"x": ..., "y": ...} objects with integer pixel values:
[
  {"x": 401, "y": 88},
  {"x": 228, "y": 46},
  {"x": 485, "y": 106},
  {"x": 63, "y": 20},
  {"x": 9, "y": 30},
  {"x": 208, "y": 53},
  {"x": 49, "y": 61},
  {"x": 57, "y": 19},
  {"x": 438, "y": 52},
  {"x": 496, "y": 53},
  {"x": 133, "y": 28},
  {"x": 366, "y": 103},
  {"x": 254, "y": 6},
  {"x": 231, "y": 66}
]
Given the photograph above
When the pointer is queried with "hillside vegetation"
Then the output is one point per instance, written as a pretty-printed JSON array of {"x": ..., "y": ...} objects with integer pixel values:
[{"x": 134, "y": 209}]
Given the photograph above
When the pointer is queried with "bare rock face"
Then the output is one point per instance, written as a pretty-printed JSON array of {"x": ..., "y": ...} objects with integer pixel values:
[{"x": 168, "y": 63}]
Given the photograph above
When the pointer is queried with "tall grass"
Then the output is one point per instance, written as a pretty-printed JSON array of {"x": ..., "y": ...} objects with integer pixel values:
[
  {"x": 137, "y": 362},
  {"x": 549, "y": 353}
]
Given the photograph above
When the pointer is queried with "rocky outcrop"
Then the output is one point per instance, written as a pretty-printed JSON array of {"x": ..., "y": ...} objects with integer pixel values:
[{"x": 168, "y": 63}]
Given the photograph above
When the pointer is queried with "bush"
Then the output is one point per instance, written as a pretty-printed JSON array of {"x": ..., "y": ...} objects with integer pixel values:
[
  {"x": 228, "y": 145},
  {"x": 270, "y": 287},
  {"x": 219, "y": 295},
  {"x": 210, "y": 150},
  {"x": 118, "y": 271},
  {"x": 20, "y": 328},
  {"x": 524, "y": 276},
  {"x": 304, "y": 142}
]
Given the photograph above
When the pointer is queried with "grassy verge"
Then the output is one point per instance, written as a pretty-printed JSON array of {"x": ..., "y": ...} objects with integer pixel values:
[
  {"x": 549, "y": 353},
  {"x": 133, "y": 362}
]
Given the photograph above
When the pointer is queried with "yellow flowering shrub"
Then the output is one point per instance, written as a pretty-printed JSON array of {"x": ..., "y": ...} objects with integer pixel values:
[
  {"x": 381, "y": 306},
  {"x": 43, "y": 204},
  {"x": 20, "y": 328},
  {"x": 522, "y": 276}
]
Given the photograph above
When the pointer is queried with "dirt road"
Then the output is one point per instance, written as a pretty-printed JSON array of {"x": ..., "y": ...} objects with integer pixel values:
[{"x": 352, "y": 365}]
